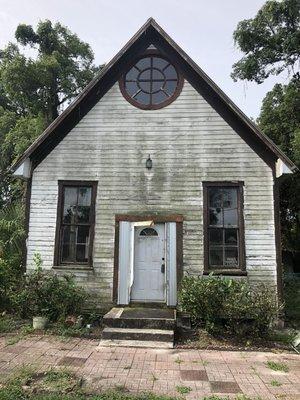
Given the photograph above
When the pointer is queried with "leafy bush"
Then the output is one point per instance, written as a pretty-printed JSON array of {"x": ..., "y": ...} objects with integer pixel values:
[
  {"x": 46, "y": 294},
  {"x": 11, "y": 244},
  {"x": 229, "y": 306}
]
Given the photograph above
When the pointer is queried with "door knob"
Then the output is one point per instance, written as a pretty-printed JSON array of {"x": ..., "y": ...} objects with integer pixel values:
[{"x": 162, "y": 269}]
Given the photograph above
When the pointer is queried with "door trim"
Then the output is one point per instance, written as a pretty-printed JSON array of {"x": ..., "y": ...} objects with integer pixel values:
[{"x": 178, "y": 218}]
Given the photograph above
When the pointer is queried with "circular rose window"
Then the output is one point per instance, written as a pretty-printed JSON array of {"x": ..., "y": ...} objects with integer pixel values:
[{"x": 153, "y": 82}]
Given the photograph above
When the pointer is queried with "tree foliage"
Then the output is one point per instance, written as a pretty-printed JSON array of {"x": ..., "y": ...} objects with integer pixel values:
[
  {"x": 270, "y": 41},
  {"x": 33, "y": 91},
  {"x": 62, "y": 68},
  {"x": 280, "y": 117},
  {"x": 280, "y": 120},
  {"x": 271, "y": 44}
]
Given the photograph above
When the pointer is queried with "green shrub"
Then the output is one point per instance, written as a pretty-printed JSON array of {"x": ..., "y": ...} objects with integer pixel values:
[
  {"x": 229, "y": 306},
  {"x": 12, "y": 236},
  {"x": 46, "y": 294}
]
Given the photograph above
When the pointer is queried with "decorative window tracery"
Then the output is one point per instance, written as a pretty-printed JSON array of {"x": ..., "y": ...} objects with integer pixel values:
[{"x": 151, "y": 83}]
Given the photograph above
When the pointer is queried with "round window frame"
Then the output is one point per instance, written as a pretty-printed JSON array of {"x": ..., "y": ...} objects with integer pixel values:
[{"x": 163, "y": 104}]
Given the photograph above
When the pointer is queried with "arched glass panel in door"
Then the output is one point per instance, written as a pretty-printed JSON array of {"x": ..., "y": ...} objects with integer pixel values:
[{"x": 148, "y": 232}]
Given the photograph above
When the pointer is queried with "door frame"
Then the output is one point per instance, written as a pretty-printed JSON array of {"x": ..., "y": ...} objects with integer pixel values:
[{"x": 176, "y": 218}]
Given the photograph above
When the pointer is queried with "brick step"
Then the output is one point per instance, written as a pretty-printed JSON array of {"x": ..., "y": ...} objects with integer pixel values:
[{"x": 156, "y": 335}]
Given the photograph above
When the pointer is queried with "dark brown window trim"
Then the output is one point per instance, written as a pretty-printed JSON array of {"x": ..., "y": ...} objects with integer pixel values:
[
  {"x": 156, "y": 219},
  {"x": 152, "y": 106},
  {"x": 61, "y": 185},
  {"x": 242, "y": 267}
]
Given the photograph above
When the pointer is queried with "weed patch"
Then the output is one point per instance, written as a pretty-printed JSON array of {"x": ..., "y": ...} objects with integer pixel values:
[
  {"x": 276, "y": 366},
  {"x": 179, "y": 361},
  {"x": 275, "y": 383},
  {"x": 183, "y": 389}
]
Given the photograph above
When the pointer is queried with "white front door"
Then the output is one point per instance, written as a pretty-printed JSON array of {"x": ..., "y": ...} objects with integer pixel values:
[{"x": 149, "y": 264}]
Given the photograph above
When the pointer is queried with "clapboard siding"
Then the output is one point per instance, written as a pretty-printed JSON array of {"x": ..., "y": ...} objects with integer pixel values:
[{"x": 189, "y": 143}]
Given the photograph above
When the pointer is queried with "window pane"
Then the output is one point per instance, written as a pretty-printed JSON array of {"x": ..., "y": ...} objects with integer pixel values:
[
  {"x": 143, "y": 63},
  {"x": 215, "y": 216},
  {"x": 170, "y": 72},
  {"x": 156, "y": 86},
  {"x": 83, "y": 233},
  {"x": 148, "y": 232},
  {"x": 216, "y": 256},
  {"x": 83, "y": 214},
  {"x": 70, "y": 201},
  {"x": 216, "y": 236},
  {"x": 156, "y": 74},
  {"x": 158, "y": 97},
  {"x": 159, "y": 63},
  {"x": 68, "y": 243},
  {"x": 231, "y": 257},
  {"x": 84, "y": 196},
  {"x": 132, "y": 74},
  {"x": 230, "y": 217},
  {"x": 229, "y": 197},
  {"x": 215, "y": 197},
  {"x": 231, "y": 236},
  {"x": 145, "y": 86},
  {"x": 131, "y": 88},
  {"x": 170, "y": 87},
  {"x": 82, "y": 246},
  {"x": 81, "y": 253},
  {"x": 142, "y": 98},
  {"x": 145, "y": 74}
]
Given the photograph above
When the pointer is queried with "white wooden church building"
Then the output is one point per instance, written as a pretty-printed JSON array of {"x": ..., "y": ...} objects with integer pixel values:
[{"x": 150, "y": 173}]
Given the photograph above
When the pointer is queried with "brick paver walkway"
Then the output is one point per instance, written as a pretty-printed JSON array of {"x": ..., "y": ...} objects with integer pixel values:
[{"x": 205, "y": 373}]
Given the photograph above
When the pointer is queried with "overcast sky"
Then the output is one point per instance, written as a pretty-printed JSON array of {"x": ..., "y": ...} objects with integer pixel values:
[{"x": 202, "y": 28}]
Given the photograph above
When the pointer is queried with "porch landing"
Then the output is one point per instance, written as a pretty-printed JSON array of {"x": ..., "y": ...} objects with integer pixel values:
[{"x": 139, "y": 327}]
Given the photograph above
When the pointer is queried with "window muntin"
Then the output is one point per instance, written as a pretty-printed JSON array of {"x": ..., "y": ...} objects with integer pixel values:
[
  {"x": 151, "y": 83},
  {"x": 76, "y": 223},
  {"x": 223, "y": 230}
]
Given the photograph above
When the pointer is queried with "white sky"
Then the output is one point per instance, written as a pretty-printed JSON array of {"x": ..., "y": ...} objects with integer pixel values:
[{"x": 202, "y": 28}]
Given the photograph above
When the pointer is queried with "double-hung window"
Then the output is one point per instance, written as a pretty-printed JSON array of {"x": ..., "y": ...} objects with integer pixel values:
[
  {"x": 223, "y": 226},
  {"x": 75, "y": 222}
]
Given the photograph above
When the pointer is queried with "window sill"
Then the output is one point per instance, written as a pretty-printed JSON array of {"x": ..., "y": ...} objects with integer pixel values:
[
  {"x": 230, "y": 272},
  {"x": 74, "y": 267}
]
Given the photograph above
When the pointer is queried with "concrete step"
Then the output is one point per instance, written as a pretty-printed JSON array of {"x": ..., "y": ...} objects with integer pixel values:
[
  {"x": 156, "y": 335},
  {"x": 140, "y": 318},
  {"x": 135, "y": 343}
]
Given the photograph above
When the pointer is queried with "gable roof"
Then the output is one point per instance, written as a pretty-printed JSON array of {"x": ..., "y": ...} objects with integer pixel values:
[{"x": 152, "y": 34}]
